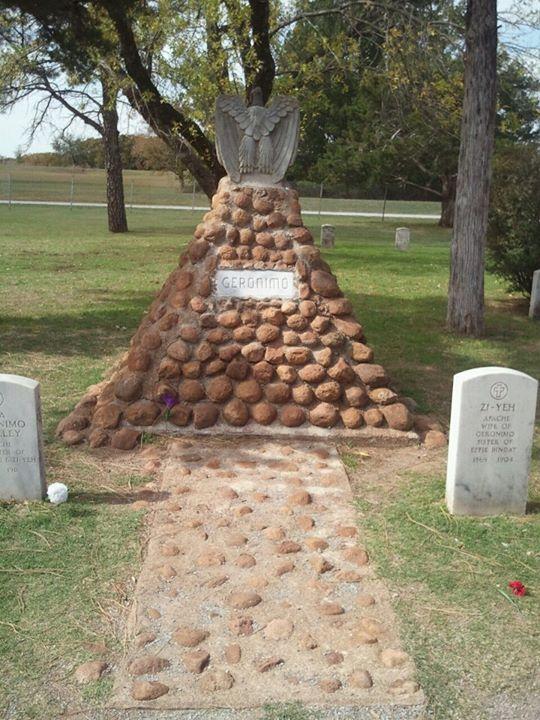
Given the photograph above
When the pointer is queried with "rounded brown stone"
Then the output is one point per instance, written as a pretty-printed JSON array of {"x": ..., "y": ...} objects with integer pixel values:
[
  {"x": 339, "y": 306},
  {"x": 371, "y": 374},
  {"x": 292, "y": 416},
  {"x": 148, "y": 690},
  {"x": 169, "y": 368},
  {"x": 349, "y": 327},
  {"x": 373, "y": 417},
  {"x": 330, "y": 608},
  {"x": 191, "y": 369},
  {"x": 218, "y": 335},
  {"x": 147, "y": 665},
  {"x": 179, "y": 351},
  {"x": 303, "y": 395},
  {"x": 245, "y": 561},
  {"x": 247, "y": 236},
  {"x": 298, "y": 355},
  {"x": 90, "y": 671},
  {"x": 273, "y": 316},
  {"x": 302, "y": 236},
  {"x": 188, "y": 636},
  {"x": 305, "y": 522},
  {"x": 139, "y": 360},
  {"x": 168, "y": 321},
  {"x": 263, "y": 372},
  {"x": 382, "y": 396},
  {"x": 274, "y": 355},
  {"x": 142, "y": 412},
  {"x": 286, "y": 374},
  {"x": 356, "y": 555},
  {"x": 435, "y": 439},
  {"x": 228, "y": 352},
  {"x": 259, "y": 223},
  {"x": 323, "y": 415},
  {"x": 125, "y": 439},
  {"x": 330, "y": 685},
  {"x": 356, "y": 396},
  {"x": 263, "y": 204},
  {"x": 324, "y": 283},
  {"x": 265, "y": 239},
  {"x": 244, "y": 334},
  {"x": 219, "y": 389},
  {"x": 107, "y": 416},
  {"x": 151, "y": 340},
  {"x": 300, "y": 497},
  {"x": 316, "y": 544},
  {"x": 128, "y": 387},
  {"x": 328, "y": 391},
  {"x": 320, "y": 565},
  {"x": 403, "y": 686},
  {"x": 191, "y": 391},
  {"x": 297, "y": 322},
  {"x": 183, "y": 280},
  {"x": 360, "y": 679},
  {"x": 307, "y": 308},
  {"x": 198, "y": 304},
  {"x": 236, "y": 412},
  {"x": 277, "y": 392},
  {"x": 267, "y": 333},
  {"x": 205, "y": 414},
  {"x": 313, "y": 373},
  {"x": 244, "y": 599},
  {"x": 238, "y": 368},
  {"x": 254, "y": 351},
  {"x": 249, "y": 391},
  {"x": 227, "y": 252},
  {"x": 263, "y": 413},
  {"x": 196, "y": 661},
  {"x": 290, "y": 337},
  {"x": 180, "y": 415},
  {"x": 229, "y": 319},
  {"x": 334, "y": 657},
  {"x": 210, "y": 558},
  {"x": 288, "y": 546},
  {"x": 365, "y": 600},
  {"x": 204, "y": 351},
  {"x": 352, "y": 418},
  {"x": 278, "y": 629},
  {"x": 242, "y": 200},
  {"x": 144, "y": 638},
  {"x": 289, "y": 307},
  {"x": 197, "y": 249},
  {"x": 276, "y": 220},
  {"x": 214, "y": 366},
  {"x": 218, "y": 679},
  {"x": 342, "y": 372},
  {"x": 98, "y": 438},
  {"x": 233, "y": 653},
  {"x": 398, "y": 416},
  {"x": 241, "y": 217}
]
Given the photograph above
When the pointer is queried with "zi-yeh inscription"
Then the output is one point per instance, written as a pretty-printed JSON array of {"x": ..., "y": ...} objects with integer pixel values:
[
  {"x": 21, "y": 458},
  {"x": 258, "y": 284},
  {"x": 490, "y": 444}
]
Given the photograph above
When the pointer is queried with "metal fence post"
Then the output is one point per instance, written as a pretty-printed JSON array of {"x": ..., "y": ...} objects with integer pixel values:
[
  {"x": 71, "y": 192},
  {"x": 384, "y": 202},
  {"x": 320, "y": 198},
  {"x": 9, "y": 190},
  {"x": 131, "y": 196},
  {"x": 193, "y": 196}
]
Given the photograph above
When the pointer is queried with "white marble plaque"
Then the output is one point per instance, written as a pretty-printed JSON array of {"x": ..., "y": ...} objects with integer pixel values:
[
  {"x": 22, "y": 475},
  {"x": 403, "y": 238},
  {"x": 490, "y": 442},
  {"x": 534, "y": 307},
  {"x": 258, "y": 284}
]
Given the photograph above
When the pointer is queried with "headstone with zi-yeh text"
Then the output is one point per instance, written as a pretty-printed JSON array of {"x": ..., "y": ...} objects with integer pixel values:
[
  {"x": 22, "y": 474},
  {"x": 328, "y": 236},
  {"x": 490, "y": 441},
  {"x": 403, "y": 238},
  {"x": 534, "y": 307}
]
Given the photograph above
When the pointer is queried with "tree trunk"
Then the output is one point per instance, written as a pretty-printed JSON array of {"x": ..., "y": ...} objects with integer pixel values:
[
  {"x": 466, "y": 288},
  {"x": 448, "y": 201},
  {"x": 116, "y": 207}
]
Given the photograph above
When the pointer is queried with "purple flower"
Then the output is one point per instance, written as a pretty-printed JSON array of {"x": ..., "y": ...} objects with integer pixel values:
[{"x": 169, "y": 399}]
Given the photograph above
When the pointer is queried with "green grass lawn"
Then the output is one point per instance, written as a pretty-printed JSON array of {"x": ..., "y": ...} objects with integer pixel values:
[
  {"x": 71, "y": 296},
  {"x": 145, "y": 187}
]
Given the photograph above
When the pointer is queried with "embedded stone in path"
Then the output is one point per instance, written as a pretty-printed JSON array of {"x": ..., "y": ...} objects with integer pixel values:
[
  {"x": 490, "y": 445},
  {"x": 294, "y": 625},
  {"x": 22, "y": 473},
  {"x": 534, "y": 307}
]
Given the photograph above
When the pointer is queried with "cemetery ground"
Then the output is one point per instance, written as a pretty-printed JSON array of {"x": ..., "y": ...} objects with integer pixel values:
[{"x": 72, "y": 295}]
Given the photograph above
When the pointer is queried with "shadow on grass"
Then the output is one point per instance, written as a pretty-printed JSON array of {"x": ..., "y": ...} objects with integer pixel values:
[{"x": 95, "y": 332}]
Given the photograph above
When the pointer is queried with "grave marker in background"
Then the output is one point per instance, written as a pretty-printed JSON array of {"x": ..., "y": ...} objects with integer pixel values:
[
  {"x": 403, "y": 238},
  {"x": 490, "y": 441},
  {"x": 328, "y": 236},
  {"x": 534, "y": 307},
  {"x": 22, "y": 474}
]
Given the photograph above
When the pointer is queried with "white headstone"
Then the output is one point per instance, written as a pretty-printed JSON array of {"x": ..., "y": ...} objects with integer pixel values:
[
  {"x": 490, "y": 442},
  {"x": 22, "y": 474},
  {"x": 328, "y": 236},
  {"x": 534, "y": 307},
  {"x": 403, "y": 238}
]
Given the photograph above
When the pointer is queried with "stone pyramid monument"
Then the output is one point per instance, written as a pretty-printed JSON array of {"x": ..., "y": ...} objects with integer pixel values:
[{"x": 250, "y": 333}]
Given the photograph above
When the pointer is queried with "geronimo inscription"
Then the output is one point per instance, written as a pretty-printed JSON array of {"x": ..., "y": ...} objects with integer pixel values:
[
  {"x": 21, "y": 457},
  {"x": 257, "y": 284},
  {"x": 490, "y": 443}
]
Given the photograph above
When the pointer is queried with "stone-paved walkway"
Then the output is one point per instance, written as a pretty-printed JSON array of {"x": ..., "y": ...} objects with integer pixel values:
[{"x": 256, "y": 588}]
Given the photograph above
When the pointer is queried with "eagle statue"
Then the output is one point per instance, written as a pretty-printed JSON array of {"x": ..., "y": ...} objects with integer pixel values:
[{"x": 256, "y": 143}]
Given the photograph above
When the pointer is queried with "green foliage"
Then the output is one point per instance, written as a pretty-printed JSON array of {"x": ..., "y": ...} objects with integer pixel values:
[
  {"x": 289, "y": 711},
  {"x": 514, "y": 223}
]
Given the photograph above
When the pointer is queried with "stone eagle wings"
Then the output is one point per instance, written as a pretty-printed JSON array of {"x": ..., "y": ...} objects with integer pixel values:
[{"x": 256, "y": 142}]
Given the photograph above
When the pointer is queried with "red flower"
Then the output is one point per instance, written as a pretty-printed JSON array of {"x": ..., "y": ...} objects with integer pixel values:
[{"x": 517, "y": 588}]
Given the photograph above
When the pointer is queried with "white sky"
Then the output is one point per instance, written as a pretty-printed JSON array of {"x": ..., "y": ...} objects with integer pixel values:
[{"x": 14, "y": 125}]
